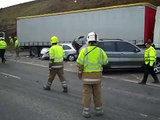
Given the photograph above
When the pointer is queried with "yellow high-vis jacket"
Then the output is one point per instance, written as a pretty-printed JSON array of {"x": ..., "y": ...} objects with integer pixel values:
[
  {"x": 150, "y": 56},
  {"x": 56, "y": 53},
  {"x": 3, "y": 44},
  {"x": 17, "y": 43},
  {"x": 90, "y": 61}
]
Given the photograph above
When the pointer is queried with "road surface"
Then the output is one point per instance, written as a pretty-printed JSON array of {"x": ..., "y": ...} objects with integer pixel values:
[{"x": 23, "y": 97}]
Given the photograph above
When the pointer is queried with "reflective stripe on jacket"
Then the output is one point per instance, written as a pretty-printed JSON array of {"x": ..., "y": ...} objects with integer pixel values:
[
  {"x": 150, "y": 56},
  {"x": 90, "y": 60},
  {"x": 3, "y": 44},
  {"x": 56, "y": 54},
  {"x": 93, "y": 61}
]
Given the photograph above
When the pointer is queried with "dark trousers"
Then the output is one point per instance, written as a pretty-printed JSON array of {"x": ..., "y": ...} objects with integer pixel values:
[
  {"x": 2, "y": 52},
  {"x": 149, "y": 69}
]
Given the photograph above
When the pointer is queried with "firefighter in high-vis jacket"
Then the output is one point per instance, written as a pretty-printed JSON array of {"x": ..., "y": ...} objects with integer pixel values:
[
  {"x": 90, "y": 61},
  {"x": 3, "y": 47},
  {"x": 150, "y": 60},
  {"x": 11, "y": 41},
  {"x": 56, "y": 55},
  {"x": 17, "y": 46}
]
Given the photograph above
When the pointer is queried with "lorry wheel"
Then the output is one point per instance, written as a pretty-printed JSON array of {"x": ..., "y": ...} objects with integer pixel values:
[
  {"x": 34, "y": 51},
  {"x": 157, "y": 67},
  {"x": 71, "y": 57}
]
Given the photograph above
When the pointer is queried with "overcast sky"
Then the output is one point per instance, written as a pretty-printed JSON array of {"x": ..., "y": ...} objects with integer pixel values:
[{"x": 7, "y": 3}]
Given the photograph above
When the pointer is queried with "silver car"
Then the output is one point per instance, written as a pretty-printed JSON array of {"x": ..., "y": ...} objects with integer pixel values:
[
  {"x": 122, "y": 54},
  {"x": 70, "y": 52}
]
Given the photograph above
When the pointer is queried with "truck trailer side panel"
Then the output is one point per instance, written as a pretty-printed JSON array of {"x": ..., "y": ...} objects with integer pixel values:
[
  {"x": 124, "y": 22},
  {"x": 157, "y": 29}
]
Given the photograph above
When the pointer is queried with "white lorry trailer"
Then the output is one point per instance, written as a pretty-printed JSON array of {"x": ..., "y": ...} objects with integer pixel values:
[
  {"x": 132, "y": 22},
  {"x": 156, "y": 39}
]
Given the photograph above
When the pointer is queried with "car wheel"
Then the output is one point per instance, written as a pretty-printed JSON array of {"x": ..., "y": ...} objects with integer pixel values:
[
  {"x": 71, "y": 57},
  {"x": 157, "y": 67}
]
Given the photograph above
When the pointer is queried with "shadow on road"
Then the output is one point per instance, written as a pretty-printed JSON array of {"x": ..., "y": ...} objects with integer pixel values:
[{"x": 122, "y": 71}]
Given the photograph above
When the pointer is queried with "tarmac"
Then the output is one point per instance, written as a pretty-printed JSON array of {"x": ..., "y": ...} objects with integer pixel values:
[
  {"x": 128, "y": 76},
  {"x": 26, "y": 59}
]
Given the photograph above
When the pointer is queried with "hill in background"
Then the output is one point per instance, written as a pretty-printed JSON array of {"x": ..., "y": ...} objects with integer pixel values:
[{"x": 38, "y": 7}]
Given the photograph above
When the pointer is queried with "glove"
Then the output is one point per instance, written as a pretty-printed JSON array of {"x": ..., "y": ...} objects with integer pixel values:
[{"x": 80, "y": 75}]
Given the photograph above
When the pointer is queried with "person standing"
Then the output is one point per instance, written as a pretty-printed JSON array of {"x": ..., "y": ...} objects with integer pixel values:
[
  {"x": 11, "y": 41},
  {"x": 3, "y": 46},
  {"x": 56, "y": 54},
  {"x": 11, "y": 45},
  {"x": 150, "y": 60},
  {"x": 89, "y": 62},
  {"x": 16, "y": 45}
]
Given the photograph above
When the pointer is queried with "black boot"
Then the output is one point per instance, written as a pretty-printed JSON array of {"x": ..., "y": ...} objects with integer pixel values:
[
  {"x": 65, "y": 89},
  {"x": 4, "y": 60},
  {"x": 46, "y": 87}
]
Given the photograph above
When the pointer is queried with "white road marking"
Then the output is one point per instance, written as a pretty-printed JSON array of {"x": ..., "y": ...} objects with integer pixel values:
[
  {"x": 113, "y": 77},
  {"x": 127, "y": 80},
  {"x": 40, "y": 65},
  {"x": 30, "y": 63},
  {"x": 13, "y": 76},
  {"x": 69, "y": 70},
  {"x": 131, "y": 81},
  {"x": 72, "y": 70},
  {"x": 143, "y": 115},
  {"x": 137, "y": 95}
]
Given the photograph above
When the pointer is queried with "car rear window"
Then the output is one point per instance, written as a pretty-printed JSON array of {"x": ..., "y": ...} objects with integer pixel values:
[{"x": 66, "y": 47}]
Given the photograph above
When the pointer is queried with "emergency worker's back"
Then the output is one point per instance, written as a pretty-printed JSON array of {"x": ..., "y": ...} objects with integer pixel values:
[
  {"x": 56, "y": 52},
  {"x": 92, "y": 58}
]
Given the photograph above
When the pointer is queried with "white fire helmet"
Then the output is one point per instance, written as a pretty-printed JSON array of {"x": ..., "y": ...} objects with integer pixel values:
[{"x": 92, "y": 36}]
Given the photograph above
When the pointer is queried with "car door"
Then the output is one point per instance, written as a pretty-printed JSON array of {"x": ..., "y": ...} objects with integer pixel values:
[
  {"x": 70, "y": 52},
  {"x": 67, "y": 50},
  {"x": 130, "y": 55},
  {"x": 113, "y": 56}
]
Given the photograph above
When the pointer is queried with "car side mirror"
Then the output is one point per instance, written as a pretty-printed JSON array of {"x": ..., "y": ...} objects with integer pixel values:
[{"x": 136, "y": 50}]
